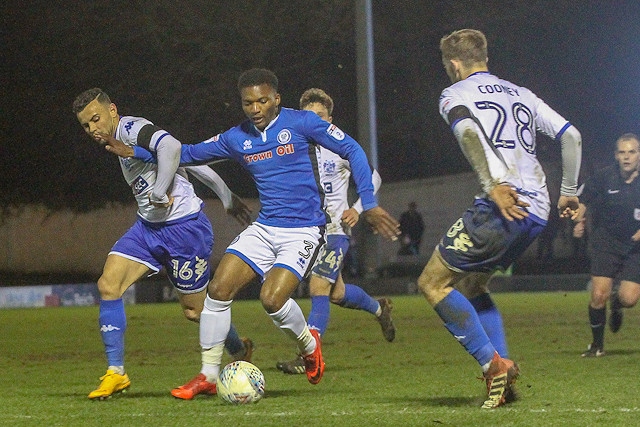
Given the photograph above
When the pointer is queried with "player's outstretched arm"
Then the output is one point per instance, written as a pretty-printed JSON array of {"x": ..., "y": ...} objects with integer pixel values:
[
  {"x": 382, "y": 223},
  {"x": 377, "y": 182}
]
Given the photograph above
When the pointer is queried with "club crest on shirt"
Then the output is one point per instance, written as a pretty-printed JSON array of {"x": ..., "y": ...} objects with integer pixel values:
[
  {"x": 335, "y": 132},
  {"x": 636, "y": 214},
  {"x": 329, "y": 167},
  {"x": 127, "y": 162},
  {"x": 246, "y": 145},
  {"x": 284, "y": 136}
]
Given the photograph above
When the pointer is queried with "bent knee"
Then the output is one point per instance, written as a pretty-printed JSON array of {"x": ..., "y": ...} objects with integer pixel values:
[
  {"x": 220, "y": 293},
  {"x": 271, "y": 304},
  {"x": 628, "y": 302},
  {"x": 599, "y": 299},
  {"x": 192, "y": 315},
  {"x": 435, "y": 281},
  {"x": 431, "y": 289},
  {"x": 109, "y": 289},
  {"x": 424, "y": 285}
]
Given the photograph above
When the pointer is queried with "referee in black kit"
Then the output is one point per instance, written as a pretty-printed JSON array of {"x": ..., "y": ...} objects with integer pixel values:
[{"x": 612, "y": 198}]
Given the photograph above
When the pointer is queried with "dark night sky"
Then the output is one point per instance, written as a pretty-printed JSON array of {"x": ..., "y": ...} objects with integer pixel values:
[{"x": 177, "y": 66}]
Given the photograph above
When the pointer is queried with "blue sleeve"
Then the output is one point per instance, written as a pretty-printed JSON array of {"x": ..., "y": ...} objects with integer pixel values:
[
  {"x": 206, "y": 151},
  {"x": 143, "y": 154},
  {"x": 192, "y": 154},
  {"x": 334, "y": 139}
]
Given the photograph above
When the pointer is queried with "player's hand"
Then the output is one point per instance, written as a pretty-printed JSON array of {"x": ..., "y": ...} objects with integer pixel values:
[
  {"x": 382, "y": 223},
  {"x": 116, "y": 147},
  {"x": 636, "y": 236},
  {"x": 165, "y": 202},
  {"x": 350, "y": 217},
  {"x": 570, "y": 207},
  {"x": 508, "y": 202},
  {"x": 239, "y": 210}
]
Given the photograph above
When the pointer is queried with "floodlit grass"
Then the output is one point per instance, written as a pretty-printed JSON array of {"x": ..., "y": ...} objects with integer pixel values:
[{"x": 50, "y": 358}]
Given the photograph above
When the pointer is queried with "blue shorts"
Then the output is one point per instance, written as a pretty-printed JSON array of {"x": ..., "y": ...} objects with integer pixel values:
[
  {"x": 331, "y": 258},
  {"x": 182, "y": 248},
  {"x": 483, "y": 240}
]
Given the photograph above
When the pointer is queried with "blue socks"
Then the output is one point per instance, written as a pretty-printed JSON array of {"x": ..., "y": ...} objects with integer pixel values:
[
  {"x": 233, "y": 343},
  {"x": 491, "y": 321},
  {"x": 355, "y": 297},
  {"x": 319, "y": 315},
  {"x": 462, "y": 321},
  {"x": 113, "y": 324}
]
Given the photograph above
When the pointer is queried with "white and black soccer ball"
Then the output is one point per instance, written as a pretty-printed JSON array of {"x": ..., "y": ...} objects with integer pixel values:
[{"x": 241, "y": 382}]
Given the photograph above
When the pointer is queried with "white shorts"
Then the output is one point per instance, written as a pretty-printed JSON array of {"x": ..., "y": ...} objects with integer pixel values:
[{"x": 264, "y": 247}]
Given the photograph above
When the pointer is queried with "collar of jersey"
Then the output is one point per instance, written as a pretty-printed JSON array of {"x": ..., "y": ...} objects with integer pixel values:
[
  {"x": 263, "y": 134},
  {"x": 478, "y": 72}
]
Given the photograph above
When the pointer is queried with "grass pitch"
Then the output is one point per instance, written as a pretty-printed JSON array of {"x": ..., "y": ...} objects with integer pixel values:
[{"x": 50, "y": 358}]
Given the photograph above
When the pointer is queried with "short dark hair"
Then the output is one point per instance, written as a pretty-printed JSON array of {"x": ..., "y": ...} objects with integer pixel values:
[
  {"x": 316, "y": 96},
  {"x": 87, "y": 96},
  {"x": 257, "y": 77}
]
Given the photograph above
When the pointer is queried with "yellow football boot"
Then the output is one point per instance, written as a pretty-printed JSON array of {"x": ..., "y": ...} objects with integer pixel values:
[{"x": 112, "y": 382}]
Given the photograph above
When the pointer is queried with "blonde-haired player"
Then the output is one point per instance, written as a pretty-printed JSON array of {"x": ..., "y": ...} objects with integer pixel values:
[{"x": 495, "y": 123}]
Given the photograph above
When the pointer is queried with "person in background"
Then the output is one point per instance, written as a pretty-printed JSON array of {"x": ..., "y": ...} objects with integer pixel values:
[
  {"x": 411, "y": 228},
  {"x": 611, "y": 197}
]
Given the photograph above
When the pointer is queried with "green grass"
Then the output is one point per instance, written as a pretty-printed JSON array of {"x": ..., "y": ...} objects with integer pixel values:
[{"x": 50, "y": 358}]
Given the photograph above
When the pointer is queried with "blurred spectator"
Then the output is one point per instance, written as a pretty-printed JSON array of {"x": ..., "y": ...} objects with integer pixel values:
[{"x": 411, "y": 228}]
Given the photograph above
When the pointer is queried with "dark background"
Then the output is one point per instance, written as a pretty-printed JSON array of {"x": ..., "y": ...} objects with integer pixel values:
[{"x": 176, "y": 63}]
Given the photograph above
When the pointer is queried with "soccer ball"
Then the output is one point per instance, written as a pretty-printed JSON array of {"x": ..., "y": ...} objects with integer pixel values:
[{"x": 241, "y": 382}]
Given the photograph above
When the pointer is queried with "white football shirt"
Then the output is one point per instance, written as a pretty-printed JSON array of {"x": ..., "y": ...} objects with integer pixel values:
[
  {"x": 334, "y": 176},
  {"x": 510, "y": 116},
  {"x": 141, "y": 177}
]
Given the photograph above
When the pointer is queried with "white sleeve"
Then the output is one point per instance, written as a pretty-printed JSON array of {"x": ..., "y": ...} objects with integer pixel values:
[
  {"x": 552, "y": 124},
  {"x": 377, "y": 182},
  {"x": 168, "y": 154},
  {"x": 211, "y": 179},
  {"x": 571, "y": 142},
  {"x": 486, "y": 161}
]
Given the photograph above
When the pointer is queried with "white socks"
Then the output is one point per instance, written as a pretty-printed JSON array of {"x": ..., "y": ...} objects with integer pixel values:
[
  {"x": 291, "y": 321},
  {"x": 117, "y": 369},
  {"x": 215, "y": 322}
]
